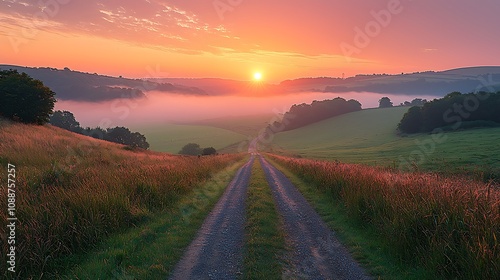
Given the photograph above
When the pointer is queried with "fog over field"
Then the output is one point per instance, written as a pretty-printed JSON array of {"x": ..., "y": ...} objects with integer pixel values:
[{"x": 177, "y": 108}]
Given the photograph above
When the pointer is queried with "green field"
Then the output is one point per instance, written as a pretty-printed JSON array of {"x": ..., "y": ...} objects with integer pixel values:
[
  {"x": 246, "y": 125},
  {"x": 171, "y": 138},
  {"x": 370, "y": 137}
]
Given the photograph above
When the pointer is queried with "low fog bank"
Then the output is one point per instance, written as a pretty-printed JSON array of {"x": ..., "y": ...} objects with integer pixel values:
[{"x": 177, "y": 108}]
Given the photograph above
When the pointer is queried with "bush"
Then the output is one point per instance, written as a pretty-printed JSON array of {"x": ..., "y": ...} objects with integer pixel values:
[
  {"x": 209, "y": 151},
  {"x": 191, "y": 149}
]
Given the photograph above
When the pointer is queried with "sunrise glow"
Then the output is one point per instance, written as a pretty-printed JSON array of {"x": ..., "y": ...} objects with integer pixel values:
[
  {"x": 257, "y": 76},
  {"x": 187, "y": 39}
]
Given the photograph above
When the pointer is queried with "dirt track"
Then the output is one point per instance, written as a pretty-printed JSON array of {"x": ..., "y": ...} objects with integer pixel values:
[
  {"x": 315, "y": 251},
  {"x": 217, "y": 250}
]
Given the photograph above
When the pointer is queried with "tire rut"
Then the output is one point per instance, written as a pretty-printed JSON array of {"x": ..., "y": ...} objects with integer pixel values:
[
  {"x": 216, "y": 251},
  {"x": 315, "y": 252}
]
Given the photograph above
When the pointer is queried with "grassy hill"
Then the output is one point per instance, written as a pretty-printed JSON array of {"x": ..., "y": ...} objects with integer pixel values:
[
  {"x": 369, "y": 136},
  {"x": 171, "y": 138},
  {"x": 73, "y": 191}
]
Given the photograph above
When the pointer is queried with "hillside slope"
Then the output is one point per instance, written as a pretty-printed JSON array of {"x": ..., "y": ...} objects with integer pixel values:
[
  {"x": 361, "y": 130},
  {"x": 369, "y": 136},
  {"x": 73, "y": 191}
]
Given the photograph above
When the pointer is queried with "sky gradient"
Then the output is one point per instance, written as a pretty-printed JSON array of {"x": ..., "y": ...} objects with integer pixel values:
[{"x": 236, "y": 38}]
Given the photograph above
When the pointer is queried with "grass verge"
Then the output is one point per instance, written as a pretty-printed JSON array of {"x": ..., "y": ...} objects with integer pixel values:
[
  {"x": 365, "y": 244},
  {"x": 447, "y": 226},
  {"x": 264, "y": 237},
  {"x": 151, "y": 250},
  {"x": 73, "y": 191}
]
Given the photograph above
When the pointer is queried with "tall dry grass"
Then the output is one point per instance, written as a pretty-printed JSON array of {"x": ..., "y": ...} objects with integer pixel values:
[
  {"x": 72, "y": 191},
  {"x": 448, "y": 225}
]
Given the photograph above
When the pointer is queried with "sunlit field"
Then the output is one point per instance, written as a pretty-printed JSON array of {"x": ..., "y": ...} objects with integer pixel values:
[
  {"x": 73, "y": 191},
  {"x": 171, "y": 138},
  {"x": 449, "y": 225},
  {"x": 370, "y": 137}
]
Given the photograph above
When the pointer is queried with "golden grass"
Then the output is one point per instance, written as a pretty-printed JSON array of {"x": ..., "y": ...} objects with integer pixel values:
[
  {"x": 448, "y": 225},
  {"x": 72, "y": 190}
]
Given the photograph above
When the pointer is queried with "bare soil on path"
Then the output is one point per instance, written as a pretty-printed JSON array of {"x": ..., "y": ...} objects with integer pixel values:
[
  {"x": 315, "y": 252},
  {"x": 217, "y": 250}
]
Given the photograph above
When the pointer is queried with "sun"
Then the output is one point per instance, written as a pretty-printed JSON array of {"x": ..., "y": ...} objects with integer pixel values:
[{"x": 257, "y": 76}]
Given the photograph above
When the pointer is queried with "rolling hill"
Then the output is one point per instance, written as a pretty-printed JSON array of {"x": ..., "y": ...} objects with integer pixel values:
[
  {"x": 91, "y": 87},
  {"x": 369, "y": 136},
  {"x": 437, "y": 83},
  {"x": 80, "y": 86}
]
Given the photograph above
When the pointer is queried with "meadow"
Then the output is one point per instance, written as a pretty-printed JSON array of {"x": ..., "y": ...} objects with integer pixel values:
[
  {"x": 447, "y": 225},
  {"x": 370, "y": 137},
  {"x": 249, "y": 125},
  {"x": 73, "y": 191},
  {"x": 171, "y": 138}
]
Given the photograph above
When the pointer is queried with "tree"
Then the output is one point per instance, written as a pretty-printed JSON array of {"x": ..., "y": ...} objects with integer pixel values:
[
  {"x": 118, "y": 135},
  {"x": 65, "y": 120},
  {"x": 98, "y": 132},
  {"x": 138, "y": 141},
  {"x": 385, "y": 102},
  {"x": 122, "y": 135},
  {"x": 25, "y": 99},
  {"x": 191, "y": 149},
  {"x": 418, "y": 102},
  {"x": 209, "y": 151},
  {"x": 412, "y": 121}
]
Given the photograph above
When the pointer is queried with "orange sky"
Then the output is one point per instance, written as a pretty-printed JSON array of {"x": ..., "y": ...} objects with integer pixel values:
[{"x": 235, "y": 38}]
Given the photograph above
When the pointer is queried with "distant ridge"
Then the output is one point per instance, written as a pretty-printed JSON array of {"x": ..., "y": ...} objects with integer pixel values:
[
  {"x": 437, "y": 83},
  {"x": 473, "y": 71},
  {"x": 80, "y": 86}
]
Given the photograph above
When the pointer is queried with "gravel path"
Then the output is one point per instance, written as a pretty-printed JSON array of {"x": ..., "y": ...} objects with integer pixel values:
[
  {"x": 315, "y": 251},
  {"x": 216, "y": 251}
]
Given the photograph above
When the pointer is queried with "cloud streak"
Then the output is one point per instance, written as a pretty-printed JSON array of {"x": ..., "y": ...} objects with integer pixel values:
[{"x": 259, "y": 33}]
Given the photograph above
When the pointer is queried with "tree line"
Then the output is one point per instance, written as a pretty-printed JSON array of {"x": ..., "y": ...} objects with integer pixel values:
[
  {"x": 305, "y": 114},
  {"x": 121, "y": 135},
  {"x": 455, "y": 110}
]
